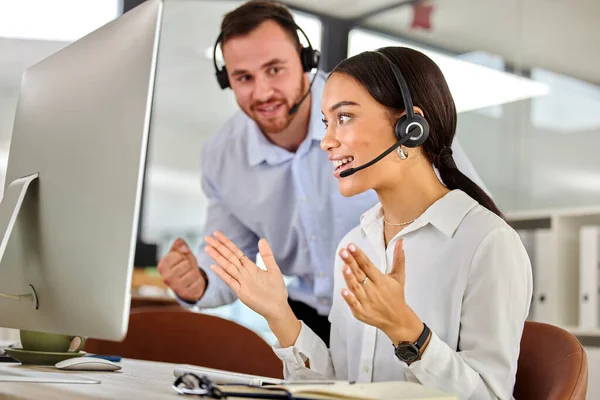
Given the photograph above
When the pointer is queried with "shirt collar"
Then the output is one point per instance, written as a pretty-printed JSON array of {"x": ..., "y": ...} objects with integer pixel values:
[
  {"x": 446, "y": 214},
  {"x": 261, "y": 149}
]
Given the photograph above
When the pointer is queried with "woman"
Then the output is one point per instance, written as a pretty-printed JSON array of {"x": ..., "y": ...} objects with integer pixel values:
[{"x": 434, "y": 286}]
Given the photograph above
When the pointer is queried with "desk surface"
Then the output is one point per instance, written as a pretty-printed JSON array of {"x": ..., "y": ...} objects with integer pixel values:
[{"x": 137, "y": 380}]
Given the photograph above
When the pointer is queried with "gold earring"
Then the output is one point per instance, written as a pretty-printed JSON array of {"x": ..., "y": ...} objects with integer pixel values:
[{"x": 403, "y": 154}]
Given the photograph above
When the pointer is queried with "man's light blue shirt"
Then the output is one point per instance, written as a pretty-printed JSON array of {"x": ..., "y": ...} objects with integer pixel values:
[{"x": 256, "y": 189}]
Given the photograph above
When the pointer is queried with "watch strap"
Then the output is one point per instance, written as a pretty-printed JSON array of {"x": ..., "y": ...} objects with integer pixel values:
[{"x": 423, "y": 338}]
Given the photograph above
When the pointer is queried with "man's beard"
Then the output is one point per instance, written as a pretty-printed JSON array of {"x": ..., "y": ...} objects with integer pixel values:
[{"x": 281, "y": 123}]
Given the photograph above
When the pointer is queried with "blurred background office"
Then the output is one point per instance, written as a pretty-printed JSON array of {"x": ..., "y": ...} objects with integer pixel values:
[{"x": 523, "y": 74}]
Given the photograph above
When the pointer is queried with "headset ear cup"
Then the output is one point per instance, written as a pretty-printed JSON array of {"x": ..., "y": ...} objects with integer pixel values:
[
  {"x": 419, "y": 135},
  {"x": 400, "y": 127},
  {"x": 423, "y": 122},
  {"x": 222, "y": 78},
  {"x": 309, "y": 58}
]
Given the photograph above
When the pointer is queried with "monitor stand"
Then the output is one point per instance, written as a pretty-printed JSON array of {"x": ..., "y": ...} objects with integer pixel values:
[{"x": 9, "y": 210}]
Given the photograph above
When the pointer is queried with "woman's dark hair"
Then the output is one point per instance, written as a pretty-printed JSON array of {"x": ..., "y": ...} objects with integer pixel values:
[
  {"x": 251, "y": 14},
  {"x": 430, "y": 92}
]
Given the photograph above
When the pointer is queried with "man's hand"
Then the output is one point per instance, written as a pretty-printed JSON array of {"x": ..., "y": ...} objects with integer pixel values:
[{"x": 179, "y": 270}]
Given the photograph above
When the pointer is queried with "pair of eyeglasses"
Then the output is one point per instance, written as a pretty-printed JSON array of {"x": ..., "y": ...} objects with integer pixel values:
[{"x": 192, "y": 384}]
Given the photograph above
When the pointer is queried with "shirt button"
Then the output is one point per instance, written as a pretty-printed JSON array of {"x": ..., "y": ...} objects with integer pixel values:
[
  {"x": 313, "y": 238},
  {"x": 303, "y": 199},
  {"x": 366, "y": 368},
  {"x": 321, "y": 274}
]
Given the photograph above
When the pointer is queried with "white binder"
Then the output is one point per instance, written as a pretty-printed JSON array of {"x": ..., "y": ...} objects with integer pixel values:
[
  {"x": 589, "y": 277},
  {"x": 539, "y": 245}
]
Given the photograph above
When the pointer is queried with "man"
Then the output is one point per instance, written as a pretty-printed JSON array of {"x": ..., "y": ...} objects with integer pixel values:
[{"x": 264, "y": 173}]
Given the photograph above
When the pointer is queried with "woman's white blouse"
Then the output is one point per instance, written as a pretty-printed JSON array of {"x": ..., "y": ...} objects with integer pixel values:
[{"x": 468, "y": 277}]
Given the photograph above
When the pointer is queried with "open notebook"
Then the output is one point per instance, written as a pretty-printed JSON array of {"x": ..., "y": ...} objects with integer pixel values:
[
  {"x": 322, "y": 390},
  {"x": 350, "y": 391}
]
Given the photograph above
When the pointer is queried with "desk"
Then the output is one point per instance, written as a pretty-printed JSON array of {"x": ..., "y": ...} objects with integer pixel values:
[
  {"x": 149, "y": 290},
  {"x": 137, "y": 380},
  {"x": 153, "y": 301}
]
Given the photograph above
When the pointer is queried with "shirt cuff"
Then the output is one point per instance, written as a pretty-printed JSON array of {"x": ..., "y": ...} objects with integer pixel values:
[
  {"x": 442, "y": 368},
  {"x": 185, "y": 303},
  {"x": 430, "y": 357},
  {"x": 294, "y": 354},
  {"x": 310, "y": 347}
]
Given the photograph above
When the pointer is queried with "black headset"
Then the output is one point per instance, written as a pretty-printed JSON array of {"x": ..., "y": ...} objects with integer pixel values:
[
  {"x": 411, "y": 130},
  {"x": 308, "y": 56},
  {"x": 408, "y": 122}
]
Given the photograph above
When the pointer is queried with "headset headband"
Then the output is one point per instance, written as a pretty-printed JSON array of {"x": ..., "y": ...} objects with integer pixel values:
[
  {"x": 406, "y": 98},
  {"x": 279, "y": 19}
]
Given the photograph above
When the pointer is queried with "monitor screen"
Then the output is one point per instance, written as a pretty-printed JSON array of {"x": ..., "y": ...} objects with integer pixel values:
[{"x": 69, "y": 215}]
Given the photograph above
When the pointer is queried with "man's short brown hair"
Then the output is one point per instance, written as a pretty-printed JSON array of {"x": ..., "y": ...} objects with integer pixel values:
[{"x": 251, "y": 14}]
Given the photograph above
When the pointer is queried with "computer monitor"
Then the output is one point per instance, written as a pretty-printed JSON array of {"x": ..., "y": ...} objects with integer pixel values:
[{"x": 74, "y": 181}]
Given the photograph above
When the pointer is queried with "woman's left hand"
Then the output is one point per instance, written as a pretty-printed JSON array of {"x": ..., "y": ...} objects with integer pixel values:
[{"x": 378, "y": 299}]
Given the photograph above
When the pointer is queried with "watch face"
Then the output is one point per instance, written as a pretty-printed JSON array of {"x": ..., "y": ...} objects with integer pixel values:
[{"x": 407, "y": 352}]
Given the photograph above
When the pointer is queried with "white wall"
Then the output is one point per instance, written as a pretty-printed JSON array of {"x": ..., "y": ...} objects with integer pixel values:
[{"x": 529, "y": 167}]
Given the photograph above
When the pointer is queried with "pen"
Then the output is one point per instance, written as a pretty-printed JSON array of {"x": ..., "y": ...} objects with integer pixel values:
[{"x": 109, "y": 358}]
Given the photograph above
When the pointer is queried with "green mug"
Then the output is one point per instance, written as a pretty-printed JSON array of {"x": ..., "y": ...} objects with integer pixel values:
[{"x": 48, "y": 342}]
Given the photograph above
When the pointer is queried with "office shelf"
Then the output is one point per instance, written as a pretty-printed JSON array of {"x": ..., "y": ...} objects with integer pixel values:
[
  {"x": 578, "y": 331},
  {"x": 551, "y": 237}
]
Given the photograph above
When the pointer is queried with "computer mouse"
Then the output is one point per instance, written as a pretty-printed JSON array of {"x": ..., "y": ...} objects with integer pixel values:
[{"x": 87, "y": 364}]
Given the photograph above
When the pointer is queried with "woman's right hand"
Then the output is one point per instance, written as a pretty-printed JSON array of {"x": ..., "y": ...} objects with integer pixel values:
[{"x": 263, "y": 291}]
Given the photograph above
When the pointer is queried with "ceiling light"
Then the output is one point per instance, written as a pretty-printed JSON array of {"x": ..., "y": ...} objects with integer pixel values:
[
  {"x": 572, "y": 107},
  {"x": 472, "y": 86},
  {"x": 60, "y": 20}
]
